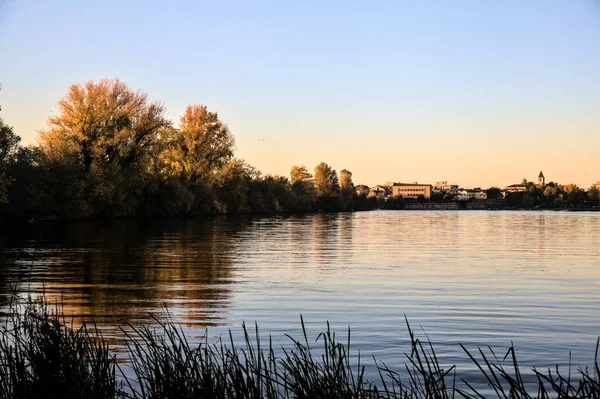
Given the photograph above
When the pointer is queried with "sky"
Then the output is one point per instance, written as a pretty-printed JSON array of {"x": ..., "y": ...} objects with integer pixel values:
[{"x": 475, "y": 92}]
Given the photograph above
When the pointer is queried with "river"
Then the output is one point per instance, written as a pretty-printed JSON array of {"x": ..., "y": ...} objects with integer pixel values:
[{"x": 475, "y": 277}]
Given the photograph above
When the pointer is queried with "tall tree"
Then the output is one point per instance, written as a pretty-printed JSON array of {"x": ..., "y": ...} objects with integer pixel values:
[
  {"x": 594, "y": 195},
  {"x": 346, "y": 180},
  {"x": 493, "y": 193},
  {"x": 103, "y": 122},
  {"x": 303, "y": 193},
  {"x": 299, "y": 173},
  {"x": 202, "y": 145},
  {"x": 111, "y": 134},
  {"x": 9, "y": 146},
  {"x": 232, "y": 183},
  {"x": 326, "y": 180},
  {"x": 347, "y": 190},
  {"x": 571, "y": 189}
]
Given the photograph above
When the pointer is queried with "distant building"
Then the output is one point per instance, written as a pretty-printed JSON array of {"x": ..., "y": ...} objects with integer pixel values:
[
  {"x": 597, "y": 185},
  {"x": 361, "y": 189},
  {"x": 380, "y": 191},
  {"x": 442, "y": 187},
  {"x": 520, "y": 188},
  {"x": 411, "y": 190},
  {"x": 462, "y": 195},
  {"x": 476, "y": 193},
  {"x": 515, "y": 188}
]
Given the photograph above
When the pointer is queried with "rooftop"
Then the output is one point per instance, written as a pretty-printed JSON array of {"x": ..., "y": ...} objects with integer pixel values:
[{"x": 411, "y": 184}]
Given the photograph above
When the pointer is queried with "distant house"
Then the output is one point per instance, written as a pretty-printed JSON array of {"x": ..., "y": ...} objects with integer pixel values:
[
  {"x": 597, "y": 185},
  {"x": 442, "y": 187},
  {"x": 411, "y": 190},
  {"x": 476, "y": 193},
  {"x": 462, "y": 195},
  {"x": 361, "y": 189},
  {"x": 515, "y": 188},
  {"x": 380, "y": 192}
]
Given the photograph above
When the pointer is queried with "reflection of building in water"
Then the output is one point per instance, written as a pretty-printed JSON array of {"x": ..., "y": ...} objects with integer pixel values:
[
  {"x": 541, "y": 233},
  {"x": 121, "y": 274},
  {"x": 300, "y": 235},
  {"x": 332, "y": 238}
]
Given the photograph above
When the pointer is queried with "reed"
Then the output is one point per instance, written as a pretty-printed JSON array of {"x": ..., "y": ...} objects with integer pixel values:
[{"x": 42, "y": 355}]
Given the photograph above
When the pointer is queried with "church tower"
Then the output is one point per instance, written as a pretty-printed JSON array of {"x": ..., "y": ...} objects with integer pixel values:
[{"x": 541, "y": 179}]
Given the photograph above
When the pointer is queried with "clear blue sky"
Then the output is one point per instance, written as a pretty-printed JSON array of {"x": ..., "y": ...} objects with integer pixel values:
[{"x": 474, "y": 92}]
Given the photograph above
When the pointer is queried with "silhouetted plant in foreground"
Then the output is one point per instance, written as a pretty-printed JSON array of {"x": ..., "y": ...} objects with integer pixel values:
[{"x": 42, "y": 356}]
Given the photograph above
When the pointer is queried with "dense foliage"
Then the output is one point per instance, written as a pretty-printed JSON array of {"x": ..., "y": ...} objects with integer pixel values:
[{"x": 110, "y": 152}]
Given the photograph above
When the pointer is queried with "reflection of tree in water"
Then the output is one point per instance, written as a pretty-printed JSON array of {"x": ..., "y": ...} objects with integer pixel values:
[
  {"x": 4, "y": 286},
  {"x": 123, "y": 271},
  {"x": 325, "y": 228},
  {"x": 345, "y": 221},
  {"x": 300, "y": 242}
]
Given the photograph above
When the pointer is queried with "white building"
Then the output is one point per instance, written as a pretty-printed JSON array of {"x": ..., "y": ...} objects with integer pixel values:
[
  {"x": 477, "y": 193},
  {"x": 442, "y": 187},
  {"x": 380, "y": 191}
]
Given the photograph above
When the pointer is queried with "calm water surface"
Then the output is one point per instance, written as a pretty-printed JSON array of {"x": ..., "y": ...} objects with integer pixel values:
[{"x": 479, "y": 278}]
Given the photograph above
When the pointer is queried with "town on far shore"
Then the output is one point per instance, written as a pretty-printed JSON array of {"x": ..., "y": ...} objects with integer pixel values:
[{"x": 527, "y": 194}]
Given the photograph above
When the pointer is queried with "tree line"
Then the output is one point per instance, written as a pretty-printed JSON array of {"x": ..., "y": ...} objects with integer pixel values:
[
  {"x": 110, "y": 152},
  {"x": 553, "y": 195}
]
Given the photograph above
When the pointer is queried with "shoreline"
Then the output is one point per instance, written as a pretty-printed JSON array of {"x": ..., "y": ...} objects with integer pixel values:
[{"x": 449, "y": 206}]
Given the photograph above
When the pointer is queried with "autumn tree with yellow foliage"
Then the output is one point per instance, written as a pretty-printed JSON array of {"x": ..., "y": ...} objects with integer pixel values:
[
  {"x": 110, "y": 152},
  {"x": 200, "y": 147},
  {"x": 110, "y": 133}
]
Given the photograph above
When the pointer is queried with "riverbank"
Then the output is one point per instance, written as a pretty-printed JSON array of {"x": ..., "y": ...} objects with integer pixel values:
[
  {"x": 482, "y": 205},
  {"x": 41, "y": 355}
]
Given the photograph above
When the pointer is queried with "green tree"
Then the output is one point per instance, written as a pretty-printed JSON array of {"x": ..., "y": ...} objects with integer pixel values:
[
  {"x": 269, "y": 194},
  {"x": 302, "y": 194},
  {"x": 347, "y": 191},
  {"x": 493, "y": 193},
  {"x": 594, "y": 195},
  {"x": 574, "y": 194},
  {"x": 9, "y": 146},
  {"x": 200, "y": 147},
  {"x": 571, "y": 189},
  {"x": 326, "y": 180},
  {"x": 28, "y": 195},
  {"x": 112, "y": 134},
  {"x": 299, "y": 173},
  {"x": 346, "y": 180},
  {"x": 528, "y": 200},
  {"x": 231, "y": 184},
  {"x": 103, "y": 122}
]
